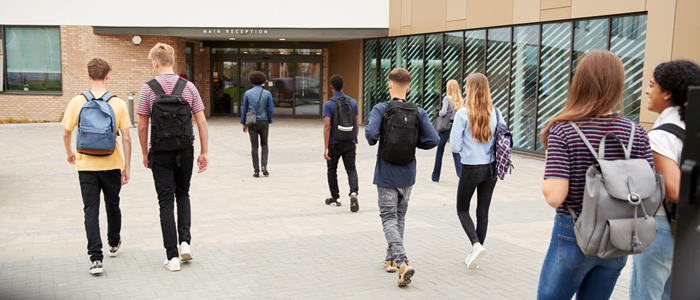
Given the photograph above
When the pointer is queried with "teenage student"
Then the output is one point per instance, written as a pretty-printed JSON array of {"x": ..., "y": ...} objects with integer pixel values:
[
  {"x": 667, "y": 92},
  {"x": 395, "y": 181},
  {"x": 335, "y": 149},
  {"x": 260, "y": 99},
  {"x": 594, "y": 97},
  {"x": 450, "y": 105},
  {"x": 172, "y": 169},
  {"x": 473, "y": 136},
  {"x": 100, "y": 174}
]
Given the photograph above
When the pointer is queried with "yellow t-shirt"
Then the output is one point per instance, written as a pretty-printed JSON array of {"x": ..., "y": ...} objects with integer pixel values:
[{"x": 91, "y": 162}]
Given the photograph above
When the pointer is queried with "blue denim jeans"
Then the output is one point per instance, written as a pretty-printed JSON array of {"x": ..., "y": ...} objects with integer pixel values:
[
  {"x": 444, "y": 136},
  {"x": 651, "y": 269},
  {"x": 393, "y": 204},
  {"x": 567, "y": 271}
]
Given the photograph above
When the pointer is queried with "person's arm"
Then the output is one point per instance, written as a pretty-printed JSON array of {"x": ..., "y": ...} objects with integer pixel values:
[
  {"x": 672, "y": 175},
  {"x": 143, "y": 137},
  {"x": 203, "y": 128},
  {"x": 555, "y": 186},
  {"x": 244, "y": 110},
  {"x": 456, "y": 135},
  {"x": 126, "y": 143},
  {"x": 427, "y": 136},
  {"x": 555, "y": 191},
  {"x": 445, "y": 106},
  {"x": 270, "y": 107},
  {"x": 372, "y": 131},
  {"x": 326, "y": 136},
  {"x": 67, "y": 135}
]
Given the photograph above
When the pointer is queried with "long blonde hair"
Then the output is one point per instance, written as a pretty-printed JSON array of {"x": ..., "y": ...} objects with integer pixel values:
[
  {"x": 479, "y": 107},
  {"x": 454, "y": 94}
]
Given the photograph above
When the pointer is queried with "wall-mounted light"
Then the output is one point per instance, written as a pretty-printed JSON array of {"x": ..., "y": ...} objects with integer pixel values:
[
  {"x": 137, "y": 40},
  {"x": 232, "y": 39},
  {"x": 283, "y": 39}
]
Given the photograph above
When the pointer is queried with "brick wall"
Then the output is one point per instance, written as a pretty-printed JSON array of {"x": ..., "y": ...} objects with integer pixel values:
[{"x": 130, "y": 70}]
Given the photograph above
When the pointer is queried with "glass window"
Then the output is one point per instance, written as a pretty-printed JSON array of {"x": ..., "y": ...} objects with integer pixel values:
[
  {"x": 370, "y": 78},
  {"x": 189, "y": 52},
  {"x": 589, "y": 35},
  {"x": 308, "y": 88},
  {"x": 498, "y": 67},
  {"x": 387, "y": 62},
  {"x": 2, "y": 61},
  {"x": 414, "y": 65},
  {"x": 628, "y": 41},
  {"x": 555, "y": 59},
  {"x": 474, "y": 54},
  {"x": 400, "y": 52},
  {"x": 224, "y": 50},
  {"x": 308, "y": 51},
  {"x": 523, "y": 89},
  {"x": 433, "y": 75},
  {"x": 267, "y": 51},
  {"x": 33, "y": 58},
  {"x": 452, "y": 62}
]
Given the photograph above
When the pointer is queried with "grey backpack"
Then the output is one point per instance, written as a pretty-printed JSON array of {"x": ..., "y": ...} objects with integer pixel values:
[{"x": 618, "y": 197}]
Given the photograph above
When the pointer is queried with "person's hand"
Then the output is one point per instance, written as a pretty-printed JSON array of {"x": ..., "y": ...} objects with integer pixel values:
[
  {"x": 203, "y": 161},
  {"x": 325, "y": 155},
  {"x": 125, "y": 176},
  {"x": 145, "y": 161},
  {"x": 71, "y": 158},
  {"x": 245, "y": 129}
]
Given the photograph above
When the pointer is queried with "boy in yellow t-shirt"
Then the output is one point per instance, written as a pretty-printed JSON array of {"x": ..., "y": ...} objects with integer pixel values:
[{"x": 100, "y": 173}]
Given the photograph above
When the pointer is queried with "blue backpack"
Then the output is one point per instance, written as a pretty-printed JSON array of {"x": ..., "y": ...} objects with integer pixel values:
[{"x": 97, "y": 129}]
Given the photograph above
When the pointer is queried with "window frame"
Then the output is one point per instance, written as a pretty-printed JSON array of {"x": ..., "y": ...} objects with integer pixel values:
[{"x": 5, "y": 90}]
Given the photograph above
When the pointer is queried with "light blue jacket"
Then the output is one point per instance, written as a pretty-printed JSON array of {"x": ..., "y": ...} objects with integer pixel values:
[
  {"x": 250, "y": 101},
  {"x": 461, "y": 141}
]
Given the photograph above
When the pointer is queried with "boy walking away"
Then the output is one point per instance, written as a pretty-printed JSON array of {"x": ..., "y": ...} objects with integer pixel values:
[
  {"x": 340, "y": 140},
  {"x": 400, "y": 127},
  {"x": 171, "y": 101},
  {"x": 98, "y": 115}
]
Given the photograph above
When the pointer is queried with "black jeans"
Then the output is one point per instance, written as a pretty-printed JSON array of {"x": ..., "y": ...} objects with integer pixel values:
[
  {"x": 261, "y": 128},
  {"x": 172, "y": 180},
  {"x": 347, "y": 152},
  {"x": 91, "y": 184},
  {"x": 475, "y": 177}
]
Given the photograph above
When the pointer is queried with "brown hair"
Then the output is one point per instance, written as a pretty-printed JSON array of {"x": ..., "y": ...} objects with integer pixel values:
[
  {"x": 98, "y": 68},
  {"x": 454, "y": 94},
  {"x": 479, "y": 106},
  {"x": 400, "y": 76},
  {"x": 257, "y": 78},
  {"x": 596, "y": 89},
  {"x": 163, "y": 54}
]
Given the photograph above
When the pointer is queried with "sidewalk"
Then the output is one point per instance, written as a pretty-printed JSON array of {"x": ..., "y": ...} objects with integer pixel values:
[{"x": 267, "y": 237}]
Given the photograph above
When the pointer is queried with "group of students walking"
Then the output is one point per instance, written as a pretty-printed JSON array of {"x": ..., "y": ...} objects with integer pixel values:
[{"x": 400, "y": 127}]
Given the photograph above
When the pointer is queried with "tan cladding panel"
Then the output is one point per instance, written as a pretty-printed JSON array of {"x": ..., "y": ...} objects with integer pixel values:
[
  {"x": 549, "y": 4},
  {"x": 394, "y": 17},
  {"x": 562, "y": 13},
  {"x": 526, "y": 11},
  {"x": 428, "y": 16},
  {"x": 346, "y": 59},
  {"x": 686, "y": 44},
  {"x": 406, "y": 17},
  {"x": 489, "y": 13},
  {"x": 592, "y": 8},
  {"x": 456, "y": 10}
]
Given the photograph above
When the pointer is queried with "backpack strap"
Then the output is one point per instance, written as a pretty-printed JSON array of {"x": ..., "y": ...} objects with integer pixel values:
[
  {"x": 262, "y": 91},
  {"x": 673, "y": 129},
  {"x": 179, "y": 86},
  {"x": 107, "y": 96},
  {"x": 585, "y": 140},
  {"x": 156, "y": 87},
  {"x": 88, "y": 96}
]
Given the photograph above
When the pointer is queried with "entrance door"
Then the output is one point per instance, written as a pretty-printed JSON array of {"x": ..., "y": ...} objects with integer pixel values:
[{"x": 225, "y": 86}]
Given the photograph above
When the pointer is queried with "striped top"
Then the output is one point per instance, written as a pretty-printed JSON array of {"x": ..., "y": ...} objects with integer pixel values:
[
  {"x": 167, "y": 81},
  {"x": 569, "y": 158}
]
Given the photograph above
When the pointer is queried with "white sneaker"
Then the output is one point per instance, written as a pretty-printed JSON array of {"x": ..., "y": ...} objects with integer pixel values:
[
  {"x": 173, "y": 264},
  {"x": 474, "y": 258},
  {"x": 185, "y": 252}
]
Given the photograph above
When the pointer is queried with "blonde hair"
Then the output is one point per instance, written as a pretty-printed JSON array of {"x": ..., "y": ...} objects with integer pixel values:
[
  {"x": 454, "y": 94},
  {"x": 163, "y": 53},
  {"x": 479, "y": 107}
]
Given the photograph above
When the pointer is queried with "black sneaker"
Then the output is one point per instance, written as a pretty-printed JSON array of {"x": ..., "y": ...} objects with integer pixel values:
[
  {"x": 114, "y": 250},
  {"x": 256, "y": 174},
  {"x": 96, "y": 267},
  {"x": 354, "y": 206},
  {"x": 265, "y": 172},
  {"x": 332, "y": 202}
]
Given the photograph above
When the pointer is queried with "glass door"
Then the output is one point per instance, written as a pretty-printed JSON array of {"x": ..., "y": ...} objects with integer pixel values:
[
  {"x": 308, "y": 89},
  {"x": 225, "y": 84},
  {"x": 280, "y": 78}
]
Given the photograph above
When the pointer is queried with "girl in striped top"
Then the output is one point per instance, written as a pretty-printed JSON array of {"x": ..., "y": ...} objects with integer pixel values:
[{"x": 594, "y": 96}]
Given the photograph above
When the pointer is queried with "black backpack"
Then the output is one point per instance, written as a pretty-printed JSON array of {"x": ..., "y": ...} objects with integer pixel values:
[
  {"x": 669, "y": 206},
  {"x": 171, "y": 118},
  {"x": 344, "y": 120},
  {"x": 399, "y": 134}
]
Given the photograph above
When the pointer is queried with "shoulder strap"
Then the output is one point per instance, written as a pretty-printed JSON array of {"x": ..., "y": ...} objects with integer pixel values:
[
  {"x": 585, "y": 140},
  {"x": 673, "y": 129},
  {"x": 156, "y": 87},
  {"x": 335, "y": 99},
  {"x": 262, "y": 91},
  {"x": 88, "y": 96},
  {"x": 107, "y": 96},
  {"x": 179, "y": 86}
]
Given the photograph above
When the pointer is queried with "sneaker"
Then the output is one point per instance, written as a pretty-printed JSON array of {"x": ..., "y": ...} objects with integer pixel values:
[
  {"x": 332, "y": 202},
  {"x": 265, "y": 172},
  {"x": 354, "y": 206},
  {"x": 431, "y": 179},
  {"x": 256, "y": 174},
  {"x": 390, "y": 265},
  {"x": 172, "y": 264},
  {"x": 96, "y": 267},
  {"x": 114, "y": 250},
  {"x": 185, "y": 252},
  {"x": 405, "y": 274},
  {"x": 474, "y": 258}
]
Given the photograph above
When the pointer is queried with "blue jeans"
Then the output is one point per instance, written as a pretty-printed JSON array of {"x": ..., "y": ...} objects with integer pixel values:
[
  {"x": 566, "y": 270},
  {"x": 444, "y": 136},
  {"x": 651, "y": 269}
]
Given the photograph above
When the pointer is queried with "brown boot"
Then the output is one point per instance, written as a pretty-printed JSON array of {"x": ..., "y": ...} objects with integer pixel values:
[
  {"x": 405, "y": 274},
  {"x": 390, "y": 265}
]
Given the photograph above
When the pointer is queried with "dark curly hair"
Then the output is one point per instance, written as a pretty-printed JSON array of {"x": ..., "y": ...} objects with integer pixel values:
[
  {"x": 337, "y": 82},
  {"x": 257, "y": 77},
  {"x": 675, "y": 77}
]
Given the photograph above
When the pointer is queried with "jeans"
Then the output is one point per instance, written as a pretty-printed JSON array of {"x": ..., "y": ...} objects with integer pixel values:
[
  {"x": 393, "y": 203},
  {"x": 109, "y": 183},
  {"x": 347, "y": 152},
  {"x": 261, "y": 128},
  {"x": 172, "y": 183},
  {"x": 566, "y": 270},
  {"x": 444, "y": 136},
  {"x": 475, "y": 177},
  {"x": 651, "y": 269}
]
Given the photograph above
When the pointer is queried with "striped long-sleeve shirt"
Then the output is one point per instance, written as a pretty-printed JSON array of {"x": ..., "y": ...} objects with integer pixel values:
[{"x": 569, "y": 158}]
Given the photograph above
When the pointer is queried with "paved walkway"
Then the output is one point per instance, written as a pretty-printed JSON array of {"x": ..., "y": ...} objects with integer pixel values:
[{"x": 262, "y": 238}]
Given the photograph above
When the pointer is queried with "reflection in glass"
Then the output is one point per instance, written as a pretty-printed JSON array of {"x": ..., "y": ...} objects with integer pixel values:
[
  {"x": 627, "y": 40},
  {"x": 308, "y": 89},
  {"x": 386, "y": 64},
  {"x": 523, "y": 90},
  {"x": 224, "y": 50},
  {"x": 400, "y": 52},
  {"x": 281, "y": 85},
  {"x": 189, "y": 52},
  {"x": 33, "y": 58},
  {"x": 414, "y": 63},
  {"x": 267, "y": 51},
  {"x": 433, "y": 75},
  {"x": 554, "y": 73},
  {"x": 474, "y": 54},
  {"x": 370, "y": 78},
  {"x": 452, "y": 63},
  {"x": 308, "y": 51},
  {"x": 225, "y": 90},
  {"x": 498, "y": 65},
  {"x": 589, "y": 35}
]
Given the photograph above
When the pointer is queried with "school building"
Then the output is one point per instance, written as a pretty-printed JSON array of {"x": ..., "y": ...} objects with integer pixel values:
[{"x": 528, "y": 49}]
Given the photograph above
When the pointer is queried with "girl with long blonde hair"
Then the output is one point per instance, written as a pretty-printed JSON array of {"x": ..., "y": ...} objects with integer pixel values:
[
  {"x": 450, "y": 104},
  {"x": 472, "y": 136}
]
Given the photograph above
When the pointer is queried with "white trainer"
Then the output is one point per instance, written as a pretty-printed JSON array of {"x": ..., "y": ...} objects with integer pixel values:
[
  {"x": 474, "y": 258},
  {"x": 172, "y": 264},
  {"x": 185, "y": 252}
]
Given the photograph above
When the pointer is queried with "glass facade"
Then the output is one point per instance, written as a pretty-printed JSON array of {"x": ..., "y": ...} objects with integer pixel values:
[
  {"x": 33, "y": 56},
  {"x": 529, "y": 67}
]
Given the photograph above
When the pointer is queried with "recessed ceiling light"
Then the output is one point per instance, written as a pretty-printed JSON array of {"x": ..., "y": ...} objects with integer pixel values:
[
  {"x": 233, "y": 39},
  {"x": 283, "y": 39}
]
